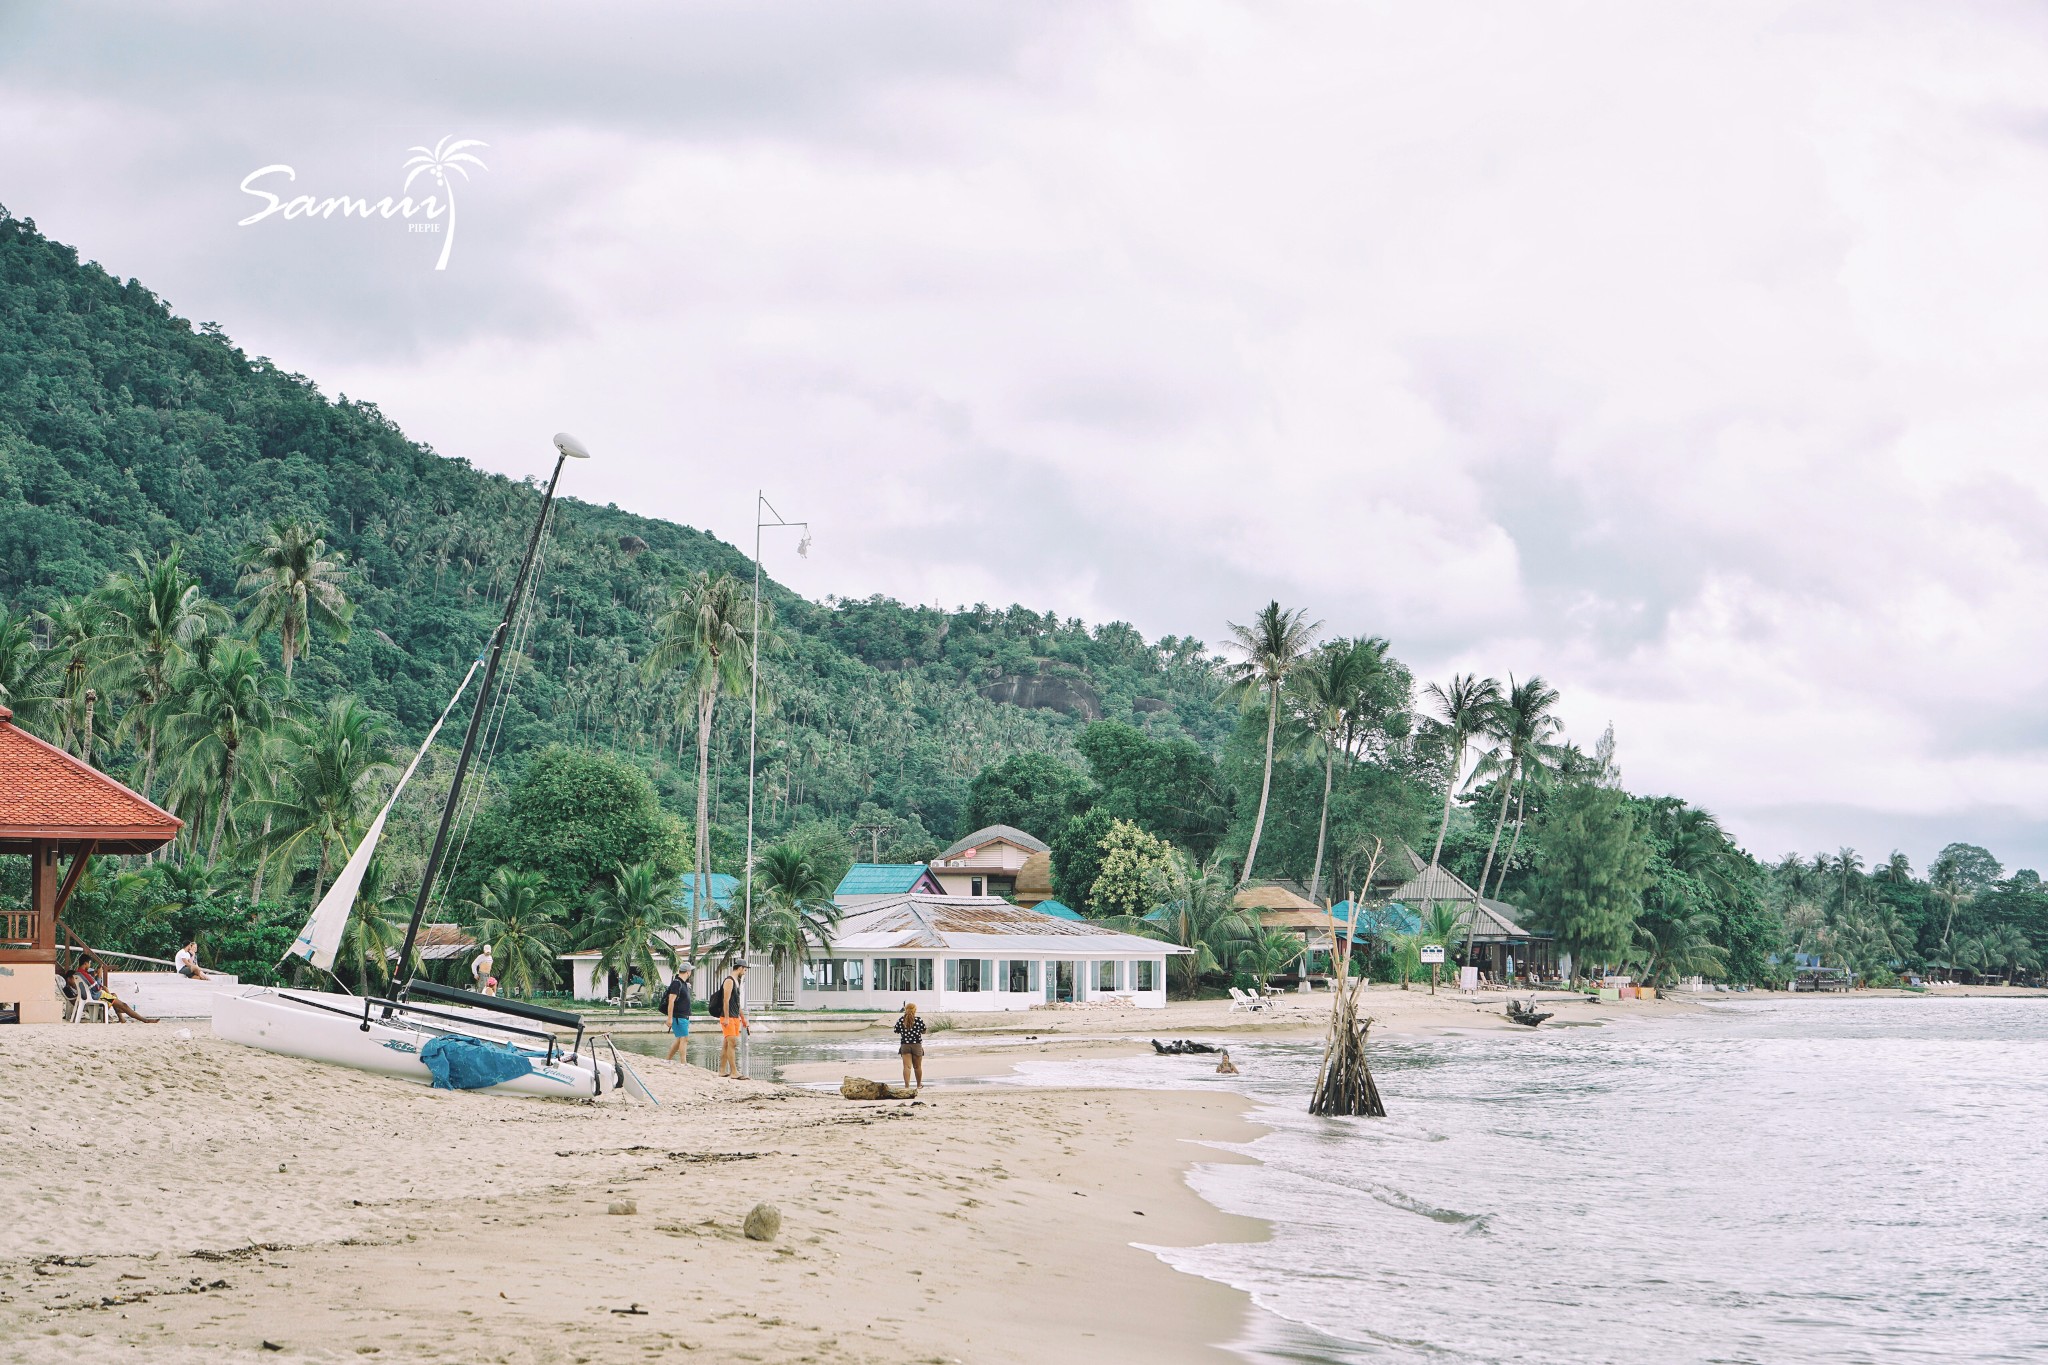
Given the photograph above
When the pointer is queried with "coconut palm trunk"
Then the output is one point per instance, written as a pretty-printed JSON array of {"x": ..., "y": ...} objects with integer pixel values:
[
  {"x": 1450, "y": 793},
  {"x": 220, "y": 814},
  {"x": 1521, "y": 797},
  {"x": 1500, "y": 821},
  {"x": 701, "y": 880},
  {"x": 1251, "y": 854},
  {"x": 1315, "y": 880}
]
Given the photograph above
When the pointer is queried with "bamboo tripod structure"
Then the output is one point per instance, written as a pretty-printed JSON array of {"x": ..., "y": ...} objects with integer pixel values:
[{"x": 1344, "y": 1085}]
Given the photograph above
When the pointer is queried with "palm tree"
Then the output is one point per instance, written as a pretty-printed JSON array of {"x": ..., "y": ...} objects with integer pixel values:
[
  {"x": 291, "y": 582},
  {"x": 1680, "y": 946},
  {"x": 704, "y": 633},
  {"x": 630, "y": 910},
  {"x": 517, "y": 922},
  {"x": 1199, "y": 914},
  {"x": 22, "y": 668},
  {"x": 218, "y": 705},
  {"x": 444, "y": 158},
  {"x": 1465, "y": 708},
  {"x": 330, "y": 782},
  {"x": 1335, "y": 693},
  {"x": 1268, "y": 650},
  {"x": 1265, "y": 952},
  {"x": 1523, "y": 723},
  {"x": 796, "y": 903},
  {"x": 78, "y": 635},
  {"x": 1946, "y": 877},
  {"x": 376, "y": 929},
  {"x": 159, "y": 613}
]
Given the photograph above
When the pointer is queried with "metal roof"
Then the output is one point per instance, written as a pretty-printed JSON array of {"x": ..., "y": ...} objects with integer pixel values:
[
  {"x": 975, "y": 924},
  {"x": 1057, "y": 909},
  {"x": 882, "y": 879},
  {"x": 1008, "y": 833}
]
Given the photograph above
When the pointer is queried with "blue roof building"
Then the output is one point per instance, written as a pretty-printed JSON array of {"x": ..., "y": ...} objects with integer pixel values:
[{"x": 865, "y": 881}]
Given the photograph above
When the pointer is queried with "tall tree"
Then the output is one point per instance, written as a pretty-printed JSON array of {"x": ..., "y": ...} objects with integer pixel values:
[
  {"x": 1200, "y": 915},
  {"x": 629, "y": 912},
  {"x": 795, "y": 913},
  {"x": 330, "y": 784},
  {"x": 1267, "y": 651},
  {"x": 79, "y": 634},
  {"x": 159, "y": 614},
  {"x": 1591, "y": 872},
  {"x": 219, "y": 705},
  {"x": 1463, "y": 711},
  {"x": 22, "y": 668},
  {"x": 705, "y": 633},
  {"x": 1522, "y": 724},
  {"x": 516, "y": 918},
  {"x": 1336, "y": 692},
  {"x": 291, "y": 582}
]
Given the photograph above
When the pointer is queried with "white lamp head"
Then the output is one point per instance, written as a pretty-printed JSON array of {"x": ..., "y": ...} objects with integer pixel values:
[{"x": 570, "y": 446}]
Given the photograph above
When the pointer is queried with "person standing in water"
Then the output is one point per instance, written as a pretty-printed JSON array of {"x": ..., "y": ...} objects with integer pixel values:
[
  {"x": 675, "y": 1003},
  {"x": 728, "y": 1005},
  {"x": 910, "y": 1044}
]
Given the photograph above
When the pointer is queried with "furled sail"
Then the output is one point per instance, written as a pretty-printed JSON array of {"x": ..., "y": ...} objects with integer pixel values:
[{"x": 321, "y": 937}]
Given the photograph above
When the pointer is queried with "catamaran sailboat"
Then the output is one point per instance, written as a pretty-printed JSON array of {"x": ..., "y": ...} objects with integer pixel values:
[{"x": 457, "y": 1039}]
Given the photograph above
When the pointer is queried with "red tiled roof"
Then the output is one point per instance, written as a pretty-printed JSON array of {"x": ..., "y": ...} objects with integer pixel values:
[{"x": 45, "y": 793}]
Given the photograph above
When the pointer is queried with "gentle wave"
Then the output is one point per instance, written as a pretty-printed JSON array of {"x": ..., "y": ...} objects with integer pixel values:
[{"x": 1840, "y": 1181}]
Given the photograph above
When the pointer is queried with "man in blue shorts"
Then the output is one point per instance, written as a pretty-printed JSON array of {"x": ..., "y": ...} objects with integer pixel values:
[{"x": 675, "y": 1003}]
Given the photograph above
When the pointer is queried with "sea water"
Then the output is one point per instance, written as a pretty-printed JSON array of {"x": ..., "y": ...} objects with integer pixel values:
[{"x": 1814, "y": 1181}]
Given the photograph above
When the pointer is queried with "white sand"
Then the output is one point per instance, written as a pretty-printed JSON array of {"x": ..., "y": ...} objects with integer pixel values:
[{"x": 408, "y": 1224}]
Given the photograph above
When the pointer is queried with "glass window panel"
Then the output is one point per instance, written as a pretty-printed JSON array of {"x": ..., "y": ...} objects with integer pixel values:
[{"x": 924, "y": 973}]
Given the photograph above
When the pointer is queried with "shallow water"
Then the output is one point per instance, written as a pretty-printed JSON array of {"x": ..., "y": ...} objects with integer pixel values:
[{"x": 1852, "y": 1181}]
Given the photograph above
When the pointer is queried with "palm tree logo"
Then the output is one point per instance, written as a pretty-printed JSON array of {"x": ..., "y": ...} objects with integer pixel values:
[{"x": 444, "y": 160}]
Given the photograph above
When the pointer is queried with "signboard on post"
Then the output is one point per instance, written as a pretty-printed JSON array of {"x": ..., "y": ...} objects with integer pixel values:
[{"x": 1432, "y": 954}]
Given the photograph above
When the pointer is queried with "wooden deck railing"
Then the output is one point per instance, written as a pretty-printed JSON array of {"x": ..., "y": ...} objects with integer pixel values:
[{"x": 18, "y": 928}]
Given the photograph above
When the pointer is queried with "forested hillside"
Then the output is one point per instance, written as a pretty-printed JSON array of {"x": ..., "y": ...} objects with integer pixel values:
[
  {"x": 124, "y": 430},
  {"x": 250, "y": 601}
]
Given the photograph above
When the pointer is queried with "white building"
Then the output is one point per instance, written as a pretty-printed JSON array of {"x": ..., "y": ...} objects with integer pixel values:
[
  {"x": 976, "y": 953},
  {"x": 947, "y": 953}
]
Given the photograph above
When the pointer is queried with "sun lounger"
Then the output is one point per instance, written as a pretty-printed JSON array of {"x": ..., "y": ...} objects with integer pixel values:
[{"x": 1240, "y": 1001}]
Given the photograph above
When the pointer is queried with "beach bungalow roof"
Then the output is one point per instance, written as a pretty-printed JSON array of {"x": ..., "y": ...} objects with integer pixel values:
[
  {"x": 887, "y": 879},
  {"x": 1392, "y": 916},
  {"x": 49, "y": 797},
  {"x": 1280, "y": 905},
  {"x": 1057, "y": 909},
  {"x": 989, "y": 834},
  {"x": 438, "y": 942},
  {"x": 983, "y": 924}
]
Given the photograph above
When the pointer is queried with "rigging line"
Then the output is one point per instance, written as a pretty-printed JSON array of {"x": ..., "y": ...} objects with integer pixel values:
[{"x": 523, "y": 617}]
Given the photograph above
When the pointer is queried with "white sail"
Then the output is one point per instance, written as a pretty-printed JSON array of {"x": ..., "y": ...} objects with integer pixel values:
[{"x": 319, "y": 940}]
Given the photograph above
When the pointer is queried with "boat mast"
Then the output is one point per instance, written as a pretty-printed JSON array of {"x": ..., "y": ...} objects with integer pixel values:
[{"x": 566, "y": 446}]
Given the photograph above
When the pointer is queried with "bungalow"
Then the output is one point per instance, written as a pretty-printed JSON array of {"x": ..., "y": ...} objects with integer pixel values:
[
  {"x": 977, "y": 953},
  {"x": 1501, "y": 948},
  {"x": 999, "y": 860}
]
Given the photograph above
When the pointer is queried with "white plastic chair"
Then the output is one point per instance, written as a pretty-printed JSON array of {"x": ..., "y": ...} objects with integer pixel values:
[{"x": 1240, "y": 1001}]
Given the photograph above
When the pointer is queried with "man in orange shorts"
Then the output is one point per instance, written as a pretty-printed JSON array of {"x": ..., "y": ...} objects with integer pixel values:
[{"x": 732, "y": 1019}]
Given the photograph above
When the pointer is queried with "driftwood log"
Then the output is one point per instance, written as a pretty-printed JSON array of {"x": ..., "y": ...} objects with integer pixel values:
[{"x": 861, "y": 1088}]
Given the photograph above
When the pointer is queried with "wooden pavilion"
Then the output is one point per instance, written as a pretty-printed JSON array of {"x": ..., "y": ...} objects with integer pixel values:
[{"x": 53, "y": 808}]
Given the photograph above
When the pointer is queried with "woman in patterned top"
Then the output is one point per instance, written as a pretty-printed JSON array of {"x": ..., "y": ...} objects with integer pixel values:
[{"x": 910, "y": 1045}]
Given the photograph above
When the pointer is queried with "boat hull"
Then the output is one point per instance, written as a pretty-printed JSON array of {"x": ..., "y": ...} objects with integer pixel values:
[{"x": 276, "y": 1023}]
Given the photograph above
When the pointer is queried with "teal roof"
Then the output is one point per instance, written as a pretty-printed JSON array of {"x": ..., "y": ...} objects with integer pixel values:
[
  {"x": 724, "y": 886},
  {"x": 1392, "y": 916},
  {"x": 1057, "y": 910},
  {"x": 881, "y": 879}
]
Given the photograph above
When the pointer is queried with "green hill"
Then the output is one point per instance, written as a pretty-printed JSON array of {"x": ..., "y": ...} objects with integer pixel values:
[{"x": 124, "y": 428}]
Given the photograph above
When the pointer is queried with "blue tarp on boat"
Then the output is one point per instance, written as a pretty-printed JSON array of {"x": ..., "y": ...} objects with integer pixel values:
[{"x": 460, "y": 1063}]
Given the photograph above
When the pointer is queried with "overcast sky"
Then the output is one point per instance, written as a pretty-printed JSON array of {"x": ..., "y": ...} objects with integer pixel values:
[{"x": 1689, "y": 355}]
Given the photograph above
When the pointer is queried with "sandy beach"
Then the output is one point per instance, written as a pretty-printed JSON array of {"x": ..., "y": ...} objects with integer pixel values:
[{"x": 171, "y": 1200}]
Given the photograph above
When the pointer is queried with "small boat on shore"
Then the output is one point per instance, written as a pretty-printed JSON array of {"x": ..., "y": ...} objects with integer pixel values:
[{"x": 457, "y": 1040}]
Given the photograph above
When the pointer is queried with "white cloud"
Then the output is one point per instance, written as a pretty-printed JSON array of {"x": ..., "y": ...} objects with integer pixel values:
[{"x": 1687, "y": 355}]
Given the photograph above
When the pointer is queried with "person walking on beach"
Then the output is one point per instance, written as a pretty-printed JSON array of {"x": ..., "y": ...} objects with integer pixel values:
[
  {"x": 910, "y": 1044},
  {"x": 675, "y": 1003},
  {"x": 727, "y": 1004},
  {"x": 481, "y": 969}
]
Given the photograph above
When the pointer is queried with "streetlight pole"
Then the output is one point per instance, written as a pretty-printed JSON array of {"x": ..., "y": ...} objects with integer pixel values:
[{"x": 763, "y": 509}]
